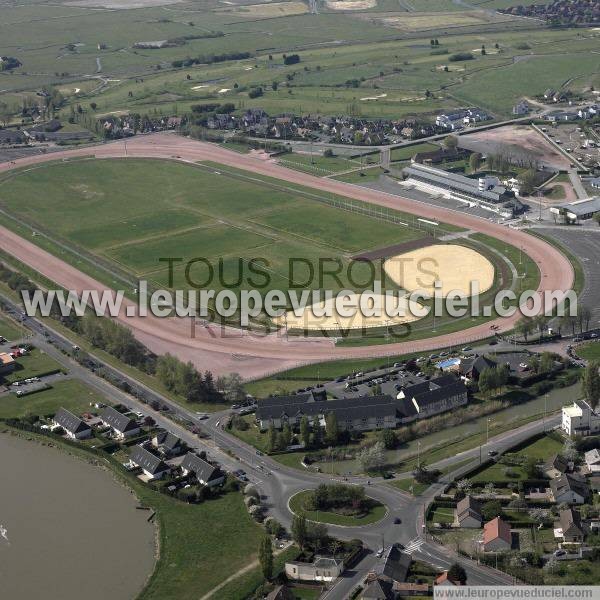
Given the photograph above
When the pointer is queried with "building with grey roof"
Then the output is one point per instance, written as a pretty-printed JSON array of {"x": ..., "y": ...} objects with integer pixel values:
[
  {"x": 167, "y": 443},
  {"x": 73, "y": 426},
  {"x": 152, "y": 465},
  {"x": 486, "y": 192},
  {"x": 121, "y": 425},
  {"x": 581, "y": 210},
  {"x": 205, "y": 473}
]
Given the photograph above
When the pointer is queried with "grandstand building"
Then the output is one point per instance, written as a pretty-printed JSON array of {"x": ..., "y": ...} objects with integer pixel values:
[{"x": 486, "y": 192}]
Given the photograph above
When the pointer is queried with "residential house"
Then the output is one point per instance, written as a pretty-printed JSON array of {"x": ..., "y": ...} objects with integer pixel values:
[
  {"x": 568, "y": 528},
  {"x": 393, "y": 566},
  {"x": 205, "y": 473},
  {"x": 73, "y": 426},
  {"x": 473, "y": 367},
  {"x": 323, "y": 568},
  {"x": 496, "y": 536},
  {"x": 572, "y": 489},
  {"x": 168, "y": 444},
  {"x": 521, "y": 108},
  {"x": 446, "y": 580},
  {"x": 152, "y": 465},
  {"x": 121, "y": 425},
  {"x": 7, "y": 363},
  {"x": 377, "y": 589},
  {"x": 555, "y": 466},
  {"x": 468, "y": 513},
  {"x": 580, "y": 419},
  {"x": 592, "y": 461}
]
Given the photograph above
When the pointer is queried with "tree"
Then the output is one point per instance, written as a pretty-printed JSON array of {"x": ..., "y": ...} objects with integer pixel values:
[
  {"x": 482, "y": 49},
  {"x": 569, "y": 451},
  {"x": 590, "y": 383},
  {"x": 317, "y": 433},
  {"x": 451, "y": 142},
  {"x": 331, "y": 429},
  {"x": 457, "y": 573},
  {"x": 274, "y": 86},
  {"x": 475, "y": 161},
  {"x": 305, "y": 431},
  {"x": 265, "y": 557},
  {"x": 546, "y": 362},
  {"x": 286, "y": 437},
  {"x": 491, "y": 509},
  {"x": 525, "y": 327},
  {"x": 388, "y": 438},
  {"x": 299, "y": 530},
  {"x": 373, "y": 458},
  {"x": 527, "y": 181},
  {"x": 487, "y": 381},
  {"x": 232, "y": 387},
  {"x": 317, "y": 533},
  {"x": 272, "y": 439},
  {"x": 530, "y": 467},
  {"x": 585, "y": 314}
]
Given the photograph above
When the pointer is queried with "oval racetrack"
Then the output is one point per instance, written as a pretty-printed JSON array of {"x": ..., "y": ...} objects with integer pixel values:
[{"x": 227, "y": 350}]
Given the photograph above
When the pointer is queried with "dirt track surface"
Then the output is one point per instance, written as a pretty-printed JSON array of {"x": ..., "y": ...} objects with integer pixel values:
[{"x": 224, "y": 351}]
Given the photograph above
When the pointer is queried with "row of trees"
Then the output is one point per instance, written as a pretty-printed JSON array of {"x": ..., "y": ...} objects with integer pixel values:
[{"x": 493, "y": 379}]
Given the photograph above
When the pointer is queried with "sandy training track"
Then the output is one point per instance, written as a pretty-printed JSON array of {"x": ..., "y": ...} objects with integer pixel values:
[{"x": 224, "y": 351}]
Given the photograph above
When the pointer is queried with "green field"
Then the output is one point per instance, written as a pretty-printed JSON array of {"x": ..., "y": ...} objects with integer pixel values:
[
  {"x": 9, "y": 329},
  {"x": 33, "y": 364},
  {"x": 589, "y": 351},
  {"x": 206, "y": 214},
  {"x": 376, "y": 512},
  {"x": 72, "y": 395}
]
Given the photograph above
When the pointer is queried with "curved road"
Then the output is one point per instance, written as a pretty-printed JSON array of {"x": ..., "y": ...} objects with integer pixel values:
[{"x": 226, "y": 350}]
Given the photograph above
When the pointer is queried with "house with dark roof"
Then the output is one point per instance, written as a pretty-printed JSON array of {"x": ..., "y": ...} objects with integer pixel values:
[
  {"x": 168, "y": 444},
  {"x": 73, "y": 426},
  {"x": 496, "y": 536},
  {"x": 152, "y": 465},
  {"x": 392, "y": 566},
  {"x": 473, "y": 367},
  {"x": 569, "y": 488},
  {"x": 468, "y": 513},
  {"x": 205, "y": 473},
  {"x": 435, "y": 396},
  {"x": 121, "y": 425},
  {"x": 555, "y": 466},
  {"x": 569, "y": 528},
  {"x": 378, "y": 590}
]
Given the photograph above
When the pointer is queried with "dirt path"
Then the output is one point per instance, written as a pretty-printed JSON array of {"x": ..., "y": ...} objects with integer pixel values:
[{"x": 227, "y": 350}]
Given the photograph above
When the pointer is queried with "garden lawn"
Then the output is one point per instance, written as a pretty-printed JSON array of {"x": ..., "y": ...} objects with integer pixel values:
[
  {"x": 34, "y": 364},
  {"x": 72, "y": 395},
  {"x": 376, "y": 512},
  {"x": 406, "y": 484}
]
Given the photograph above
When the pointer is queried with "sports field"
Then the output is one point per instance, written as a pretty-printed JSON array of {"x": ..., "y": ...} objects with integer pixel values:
[{"x": 135, "y": 212}]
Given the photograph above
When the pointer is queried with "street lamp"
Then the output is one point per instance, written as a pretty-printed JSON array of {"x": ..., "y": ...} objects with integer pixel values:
[
  {"x": 487, "y": 432},
  {"x": 418, "y": 455}
]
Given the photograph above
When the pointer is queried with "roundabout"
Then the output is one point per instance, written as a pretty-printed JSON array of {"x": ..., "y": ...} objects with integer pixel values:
[{"x": 374, "y": 511}]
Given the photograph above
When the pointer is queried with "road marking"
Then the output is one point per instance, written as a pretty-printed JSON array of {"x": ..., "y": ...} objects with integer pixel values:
[{"x": 413, "y": 545}]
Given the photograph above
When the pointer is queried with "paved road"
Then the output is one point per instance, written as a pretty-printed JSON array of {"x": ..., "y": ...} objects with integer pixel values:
[
  {"x": 277, "y": 483},
  {"x": 227, "y": 350}
]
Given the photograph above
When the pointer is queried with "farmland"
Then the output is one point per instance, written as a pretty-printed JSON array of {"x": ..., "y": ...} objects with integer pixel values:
[{"x": 382, "y": 48}]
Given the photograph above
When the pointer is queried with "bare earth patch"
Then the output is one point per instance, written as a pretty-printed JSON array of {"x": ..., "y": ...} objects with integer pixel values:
[
  {"x": 515, "y": 140},
  {"x": 351, "y": 4},
  {"x": 452, "y": 265}
]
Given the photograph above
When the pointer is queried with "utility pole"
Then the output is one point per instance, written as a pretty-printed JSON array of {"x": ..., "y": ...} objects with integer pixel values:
[{"x": 487, "y": 432}]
